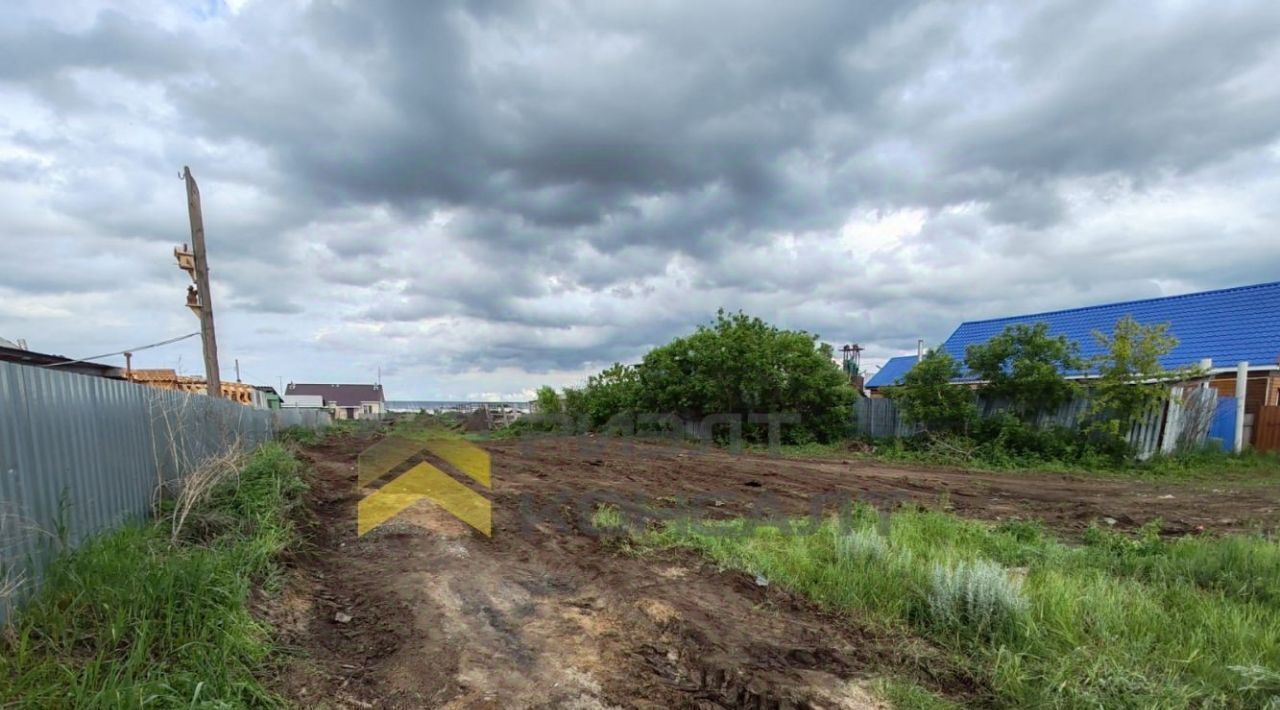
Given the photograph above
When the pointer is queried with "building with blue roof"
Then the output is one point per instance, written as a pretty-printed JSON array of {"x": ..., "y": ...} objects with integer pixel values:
[
  {"x": 891, "y": 372},
  {"x": 1220, "y": 328},
  {"x": 1226, "y": 327}
]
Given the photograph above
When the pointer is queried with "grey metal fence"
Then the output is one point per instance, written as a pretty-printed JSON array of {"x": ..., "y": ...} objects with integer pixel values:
[
  {"x": 309, "y": 418},
  {"x": 1182, "y": 423},
  {"x": 80, "y": 455},
  {"x": 881, "y": 418}
]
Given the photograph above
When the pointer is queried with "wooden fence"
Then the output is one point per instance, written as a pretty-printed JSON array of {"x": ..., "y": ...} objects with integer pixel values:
[{"x": 1267, "y": 425}]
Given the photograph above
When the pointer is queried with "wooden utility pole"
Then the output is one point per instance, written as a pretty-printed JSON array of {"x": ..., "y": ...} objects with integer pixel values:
[{"x": 198, "y": 267}]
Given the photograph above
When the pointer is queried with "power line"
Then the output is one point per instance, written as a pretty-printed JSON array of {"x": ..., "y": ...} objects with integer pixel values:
[{"x": 127, "y": 350}]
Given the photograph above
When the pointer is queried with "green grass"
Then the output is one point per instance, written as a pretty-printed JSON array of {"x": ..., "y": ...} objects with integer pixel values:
[
  {"x": 305, "y": 436},
  {"x": 1187, "y": 466},
  {"x": 608, "y": 517},
  {"x": 339, "y": 428},
  {"x": 128, "y": 619},
  {"x": 1116, "y": 622},
  {"x": 905, "y": 695}
]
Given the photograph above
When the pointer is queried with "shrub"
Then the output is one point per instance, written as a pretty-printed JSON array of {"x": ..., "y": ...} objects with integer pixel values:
[
  {"x": 609, "y": 396},
  {"x": 975, "y": 596},
  {"x": 862, "y": 544},
  {"x": 736, "y": 367},
  {"x": 1005, "y": 436},
  {"x": 534, "y": 424},
  {"x": 740, "y": 365},
  {"x": 1025, "y": 367},
  {"x": 1131, "y": 380},
  {"x": 927, "y": 396},
  {"x": 548, "y": 401}
]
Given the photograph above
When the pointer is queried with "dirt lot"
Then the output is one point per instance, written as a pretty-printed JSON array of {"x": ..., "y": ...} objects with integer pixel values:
[{"x": 546, "y": 613}]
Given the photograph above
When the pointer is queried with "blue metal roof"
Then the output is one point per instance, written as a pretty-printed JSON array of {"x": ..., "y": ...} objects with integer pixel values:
[
  {"x": 1229, "y": 325},
  {"x": 892, "y": 371}
]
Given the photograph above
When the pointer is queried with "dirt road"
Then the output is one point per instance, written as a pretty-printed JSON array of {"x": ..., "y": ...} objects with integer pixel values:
[{"x": 423, "y": 612}]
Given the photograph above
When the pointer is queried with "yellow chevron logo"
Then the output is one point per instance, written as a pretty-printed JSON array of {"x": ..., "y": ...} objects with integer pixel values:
[{"x": 417, "y": 478}]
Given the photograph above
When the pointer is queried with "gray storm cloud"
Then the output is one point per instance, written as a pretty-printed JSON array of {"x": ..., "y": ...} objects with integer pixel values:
[{"x": 483, "y": 196}]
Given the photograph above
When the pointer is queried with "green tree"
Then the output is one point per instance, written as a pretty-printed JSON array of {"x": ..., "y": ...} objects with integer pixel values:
[
  {"x": 741, "y": 366},
  {"x": 1025, "y": 366},
  {"x": 929, "y": 397},
  {"x": 548, "y": 401},
  {"x": 1131, "y": 381},
  {"x": 574, "y": 405},
  {"x": 613, "y": 392}
]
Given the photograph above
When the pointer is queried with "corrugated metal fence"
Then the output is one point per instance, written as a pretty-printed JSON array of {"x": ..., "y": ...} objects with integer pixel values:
[
  {"x": 1182, "y": 423},
  {"x": 80, "y": 455}
]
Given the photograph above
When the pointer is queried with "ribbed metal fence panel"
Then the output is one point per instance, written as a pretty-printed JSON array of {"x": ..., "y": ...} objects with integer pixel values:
[
  {"x": 80, "y": 455},
  {"x": 299, "y": 417},
  {"x": 881, "y": 418}
]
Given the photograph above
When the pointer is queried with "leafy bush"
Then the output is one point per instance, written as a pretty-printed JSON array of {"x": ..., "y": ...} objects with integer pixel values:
[
  {"x": 613, "y": 396},
  {"x": 1131, "y": 380},
  {"x": 1116, "y": 544},
  {"x": 1004, "y": 436},
  {"x": 1025, "y": 367},
  {"x": 737, "y": 367},
  {"x": 534, "y": 424},
  {"x": 928, "y": 397},
  {"x": 548, "y": 402},
  {"x": 1003, "y": 442},
  {"x": 740, "y": 366}
]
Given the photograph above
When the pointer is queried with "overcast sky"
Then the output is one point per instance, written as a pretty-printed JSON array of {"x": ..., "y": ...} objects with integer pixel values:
[{"x": 482, "y": 197}]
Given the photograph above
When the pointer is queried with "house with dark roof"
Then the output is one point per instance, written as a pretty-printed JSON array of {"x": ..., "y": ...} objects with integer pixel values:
[
  {"x": 342, "y": 401},
  {"x": 1216, "y": 330}
]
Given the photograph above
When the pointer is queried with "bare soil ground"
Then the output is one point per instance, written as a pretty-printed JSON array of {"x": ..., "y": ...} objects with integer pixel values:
[{"x": 550, "y": 613}]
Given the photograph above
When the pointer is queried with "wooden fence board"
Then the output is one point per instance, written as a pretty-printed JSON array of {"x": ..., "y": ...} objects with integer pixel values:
[{"x": 1267, "y": 429}]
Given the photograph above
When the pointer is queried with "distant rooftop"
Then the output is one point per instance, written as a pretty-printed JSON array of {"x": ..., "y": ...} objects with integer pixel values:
[{"x": 343, "y": 395}]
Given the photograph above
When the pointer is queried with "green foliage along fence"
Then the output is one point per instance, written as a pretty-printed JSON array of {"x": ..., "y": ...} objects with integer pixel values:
[{"x": 1180, "y": 423}]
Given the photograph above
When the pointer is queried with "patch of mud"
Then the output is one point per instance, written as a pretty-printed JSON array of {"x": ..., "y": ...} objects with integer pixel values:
[
  {"x": 424, "y": 612},
  {"x": 724, "y": 485}
]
